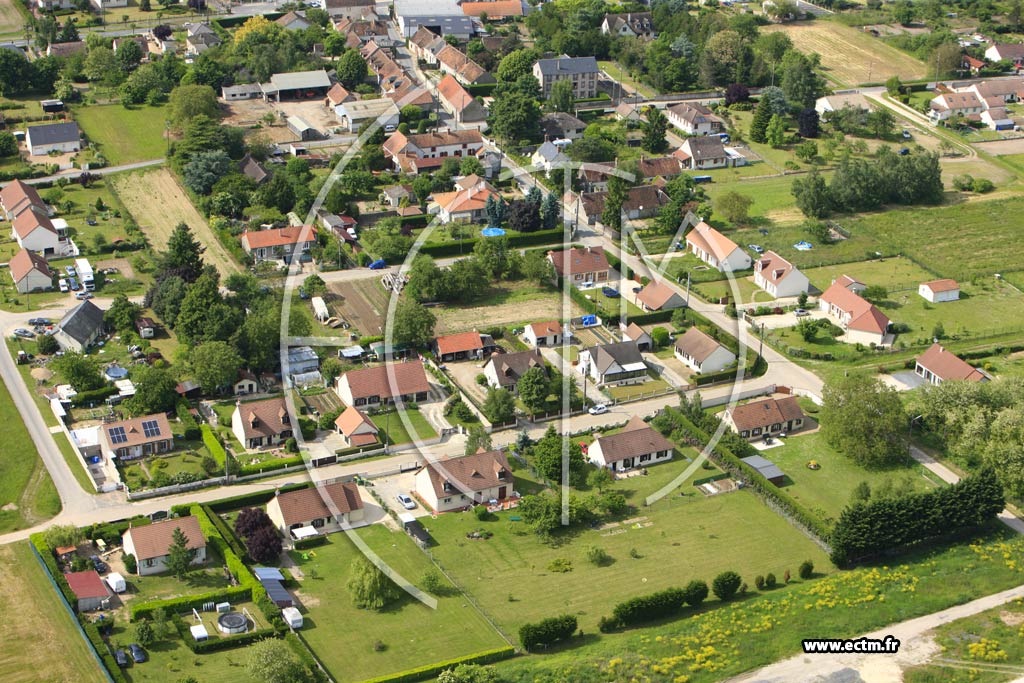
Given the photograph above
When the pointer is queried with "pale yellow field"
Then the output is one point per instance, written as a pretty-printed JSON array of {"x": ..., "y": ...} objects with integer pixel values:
[
  {"x": 849, "y": 56},
  {"x": 12, "y": 20}
]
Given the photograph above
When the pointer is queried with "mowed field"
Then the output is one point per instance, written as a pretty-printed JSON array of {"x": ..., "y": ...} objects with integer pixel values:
[
  {"x": 38, "y": 637},
  {"x": 11, "y": 18},
  {"x": 105, "y": 126},
  {"x": 158, "y": 204},
  {"x": 850, "y": 56},
  {"x": 518, "y": 302}
]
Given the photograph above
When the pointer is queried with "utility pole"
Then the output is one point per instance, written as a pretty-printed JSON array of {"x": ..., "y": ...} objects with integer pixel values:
[{"x": 687, "y": 289}]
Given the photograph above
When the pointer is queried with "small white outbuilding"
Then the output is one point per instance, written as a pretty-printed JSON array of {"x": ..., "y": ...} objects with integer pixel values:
[{"x": 292, "y": 616}]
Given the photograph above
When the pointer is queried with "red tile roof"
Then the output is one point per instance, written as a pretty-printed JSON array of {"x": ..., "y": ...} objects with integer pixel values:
[
  {"x": 697, "y": 344},
  {"x": 944, "y": 285},
  {"x": 87, "y": 584},
  {"x": 28, "y": 222},
  {"x": 862, "y": 313},
  {"x": 579, "y": 260},
  {"x": 278, "y": 237},
  {"x": 305, "y": 505},
  {"x": 773, "y": 268},
  {"x": 655, "y": 295},
  {"x": 463, "y": 342},
  {"x": 452, "y": 92},
  {"x": 711, "y": 241},
  {"x": 765, "y": 412},
  {"x": 153, "y": 540},
  {"x": 946, "y": 365},
  {"x": 636, "y": 438},
  {"x": 469, "y": 473},
  {"x": 264, "y": 418},
  {"x": 18, "y": 195},
  {"x": 25, "y": 261},
  {"x": 352, "y": 419},
  {"x": 409, "y": 378},
  {"x": 495, "y": 9},
  {"x": 546, "y": 328}
]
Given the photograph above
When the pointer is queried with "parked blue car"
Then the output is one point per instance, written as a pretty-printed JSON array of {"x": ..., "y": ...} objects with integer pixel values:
[
  {"x": 379, "y": 264},
  {"x": 610, "y": 292}
]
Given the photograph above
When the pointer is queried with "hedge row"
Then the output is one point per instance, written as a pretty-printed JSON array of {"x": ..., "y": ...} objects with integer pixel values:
[
  {"x": 50, "y": 561},
  {"x": 92, "y": 633},
  {"x": 213, "y": 445},
  {"x": 480, "y": 89},
  {"x": 278, "y": 464},
  {"x": 432, "y": 670},
  {"x": 111, "y": 532},
  {"x": 229, "y": 536},
  {"x": 528, "y": 239},
  {"x": 185, "y": 603},
  {"x": 547, "y": 631},
  {"x": 655, "y": 605},
  {"x": 652, "y": 317},
  {"x": 93, "y": 396},
  {"x": 870, "y": 529},
  {"x": 728, "y": 461},
  {"x": 307, "y": 543},
  {"x": 253, "y": 499},
  {"x": 184, "y": 411}
]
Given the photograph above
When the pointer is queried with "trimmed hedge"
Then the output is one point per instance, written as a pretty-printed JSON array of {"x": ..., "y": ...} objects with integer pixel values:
[
  {"x": 92, "y": 633},
  {"x": 547, "y": 631},
  {"x": 247, "y": 500},
  {"x": 223, "y": 642},
  {"x": 281, "y": 463},
  {"x": 432, "y": 670},
  {"x": 50, "y": 561},
  {"x": 870, "y": 529},
  {"x": 93, "y": 396},
  {"x": 649, "y": 607},
  {"x": 185, "y": 603},
  {"x": 226, "y": 532},
  {"x": 652, "y": 317},
  {"x": 111, "y": 532},
  {"x": 307, "y": 543},
  {"x": 185, "y": 417},
  {"x": 480, "y": 89},
  {"x": 213, "y": 445}
]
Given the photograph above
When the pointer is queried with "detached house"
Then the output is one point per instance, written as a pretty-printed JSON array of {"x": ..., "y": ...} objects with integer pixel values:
[
  {"x": 309, "y": 508},
  {"x": 642, "y": 201},
  {"x": 779, "y": 277},
  {"x": 702, "y": 353},
  {"x": 137, "y": 437},
  {"x": 863, "y": 322},
  {"x": 33, "y": 230},
  {"x": 503, "y": 370},
  {"x": 715, "y": 249},
  {"x": 636, "y": 445},
  {"x": 658, "y": 296},
  {"x": 549, "y": 156},
  {"x": 150, "y": 544},
  {"x": 53, "y": 137},
  {"x": 619, "y": 363},
  {"x": 405, "y": 381},
  {"x": 18, "y": 196},
  {"x": 769, "y": 416},
  {"x": 356, "y": 428},
  {"x": 543, "y": 334},
  {"x": 464, "y": 205},
  {"x": 706, "y": 153},
  {"x": 413, "y": 153},
  {"x": 258, "y": 424},
  {"x": 454, "y": 99},
  {"x": 30, "y": 272},
  {"x": 629, "y": 25},
  {"x": 938, "y": 365},
  {"x": 636, "y": 334},
  {"x": 694, "y": 119},
  {"x": 279, "y": 243},
  {"x": 581, "y": 264},
  {"x": 79, "y": 327},
  {"x": 950, "y": 104},
  {"x": 561, "y": 126},
  {"x": 1006, "y": 52},
  {"x": 463, "y": 346},
  {"x": 456, "y": 483}
]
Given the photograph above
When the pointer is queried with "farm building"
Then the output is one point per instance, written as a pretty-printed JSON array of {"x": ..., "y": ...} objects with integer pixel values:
[
  {"x": 354, "y": 114},
  {"x": 297, "y": 85},
  {"x": 937, "y": 291}
]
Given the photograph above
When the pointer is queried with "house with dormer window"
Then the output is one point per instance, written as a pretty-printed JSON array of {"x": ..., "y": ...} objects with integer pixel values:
[
  {"x": 259, "y": 424},
  {"x": 468, "y": 480}
]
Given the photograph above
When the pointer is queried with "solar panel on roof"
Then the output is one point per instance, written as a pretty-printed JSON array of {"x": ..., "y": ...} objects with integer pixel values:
[
  {"x": 117, "y": 435},
  {"x": 151, "y": 428}
]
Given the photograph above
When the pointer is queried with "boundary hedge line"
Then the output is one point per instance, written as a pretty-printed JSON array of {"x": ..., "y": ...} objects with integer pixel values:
[
  {"x": 184, "y": 413},
  {"x": 432, "y": 670},
  {"x": 92, "y": 634},
  {"x": 213, "y": 445},
  {"x": 246, "y": 470},
  {"x": 39, "y": 542},
  {"x": 227, "y": 533},
  {"x": 527, "y": 239},
  {"x": 249, "y": 499},
  {"x": 547, "y": 631},
  {"x": 307, "y": 543}
]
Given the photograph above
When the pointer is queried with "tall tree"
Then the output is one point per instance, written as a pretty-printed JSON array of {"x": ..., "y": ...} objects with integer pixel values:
[
  {"x": 122, "y": 314},
  {"x": 865, "y": 420},
  {"x": 811, "y": 194},
  {"x": 413, "y": 323},
  {"x": 550, "y": 208},
  {"x": 775, "y": 133},
  {"x": 272, "y": 661},
  {"x": 546, "y": 456},
  {"x": 215, "y": 365},
  {"x": 81, "y": 372},
  {"x": 184, "y": 255},
  {"x": 532, "y": 388},
  {"x": 733, "y": 206},
  {"x": 616, "y": 196},
  {"x": 654, "y": 129},
  {"x": 351, "y": 68},
  {"x": 759, "y": 124},
  {"x": 514, "y": 117},
  {"x": 808, "y": 123},
  {"x": 499, "y": 406},
  {"x": 369, "y": 587},
  {"x": 154, "y": 391},
  {"x": 189, "y": 101},
  {"x": 179, "y": 557}
]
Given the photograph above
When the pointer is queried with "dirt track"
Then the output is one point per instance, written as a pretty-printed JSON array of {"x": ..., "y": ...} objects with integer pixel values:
[{"x": 158, "y": 204}]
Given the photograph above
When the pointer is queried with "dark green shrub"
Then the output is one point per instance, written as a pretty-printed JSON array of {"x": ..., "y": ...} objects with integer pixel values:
[
  {"x": 648, "y": 607},
  {"x": 759, "y": 582},
  {"x": 770, "y": 581},
  {"x": 547, "y": 632},
  {"x": 695, "y": 593},
  {"x": 806, "y": 570},
  {"x": 725, "y": 585}
]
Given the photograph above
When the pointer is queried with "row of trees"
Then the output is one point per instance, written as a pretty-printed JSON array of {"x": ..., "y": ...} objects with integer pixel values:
[{"x": 865, "y": 185}]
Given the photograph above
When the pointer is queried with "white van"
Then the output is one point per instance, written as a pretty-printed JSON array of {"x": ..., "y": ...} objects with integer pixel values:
[{"x": 64, "y": 285}]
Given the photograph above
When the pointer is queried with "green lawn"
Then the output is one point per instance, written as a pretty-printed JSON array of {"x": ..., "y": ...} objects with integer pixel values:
[
  {"x": 772, "y": 196},
  {"x": 74, "y": 463},
  {"x": 124, "y": 135},
  {"x": 961, "y": 640},
  {"x": 828, "y": 490},
  {"x": 27, "y": 494},
  {"x": 628, "y": 391},
  {"x": 411, "y": 633},
  {"x": 723, "y": 641},
  {"x": 202, "y": 579},
  {"x": 619, "y": 74},
  {"x": 958, "y": 241},
  {"x": 391, "y": 423},
  {"x": 687, "y": 537},
  {"x": 42, "y": 619},
  {"x": 895, "y": 273}
]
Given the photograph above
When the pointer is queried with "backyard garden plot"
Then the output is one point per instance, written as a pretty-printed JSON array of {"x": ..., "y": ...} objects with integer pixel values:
[
  {"x": 356, "y": 644},
  {"x": 362, "y": 303},
  {"x": 40, "y": 639},
  {"x": 826, "y": 491},
  {"x": 124, "y": 135},
  {"x": 848, "y": 56},
  {"x": 682, "y": 537}
]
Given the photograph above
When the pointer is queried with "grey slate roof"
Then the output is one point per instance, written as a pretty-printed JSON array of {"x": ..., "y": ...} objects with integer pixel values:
[
  {"x": 82, "y": 321},
  {"x": 764, "y": 466},
  {"x": 568, "y": 65},
  {"x": 447, "y": 23},
  {"x": 53, "y": 133},
  {"x": 297, "y": 80},
  {"x": 623, "y": 353}
]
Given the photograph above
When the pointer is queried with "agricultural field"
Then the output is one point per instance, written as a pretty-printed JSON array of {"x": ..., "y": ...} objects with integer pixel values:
[
  {"x": 158, "y": 204},
  {"x": 405, "y": 635},
  {"x": 43, "y": 625},
  {"x": 850, "y": 57},
  {"x": 721, "y": 641},
  {"x": 828, "y": 490},
  {"x": 362, "y": 303},
  {"x": 12, "y": 17},
  {"x": 681, "y": 537},
  {"x": 106, "y": 127}
]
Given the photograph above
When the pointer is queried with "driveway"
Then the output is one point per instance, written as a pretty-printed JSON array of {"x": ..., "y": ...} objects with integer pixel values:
[
  {"x": 903, "y": 381},
  {"x": 788, "y": 319},
  {"x": 390, "y": 486}
]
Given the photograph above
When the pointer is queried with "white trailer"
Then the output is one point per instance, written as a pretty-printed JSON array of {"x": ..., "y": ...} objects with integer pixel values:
[{"x": 85, "y": 274}]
